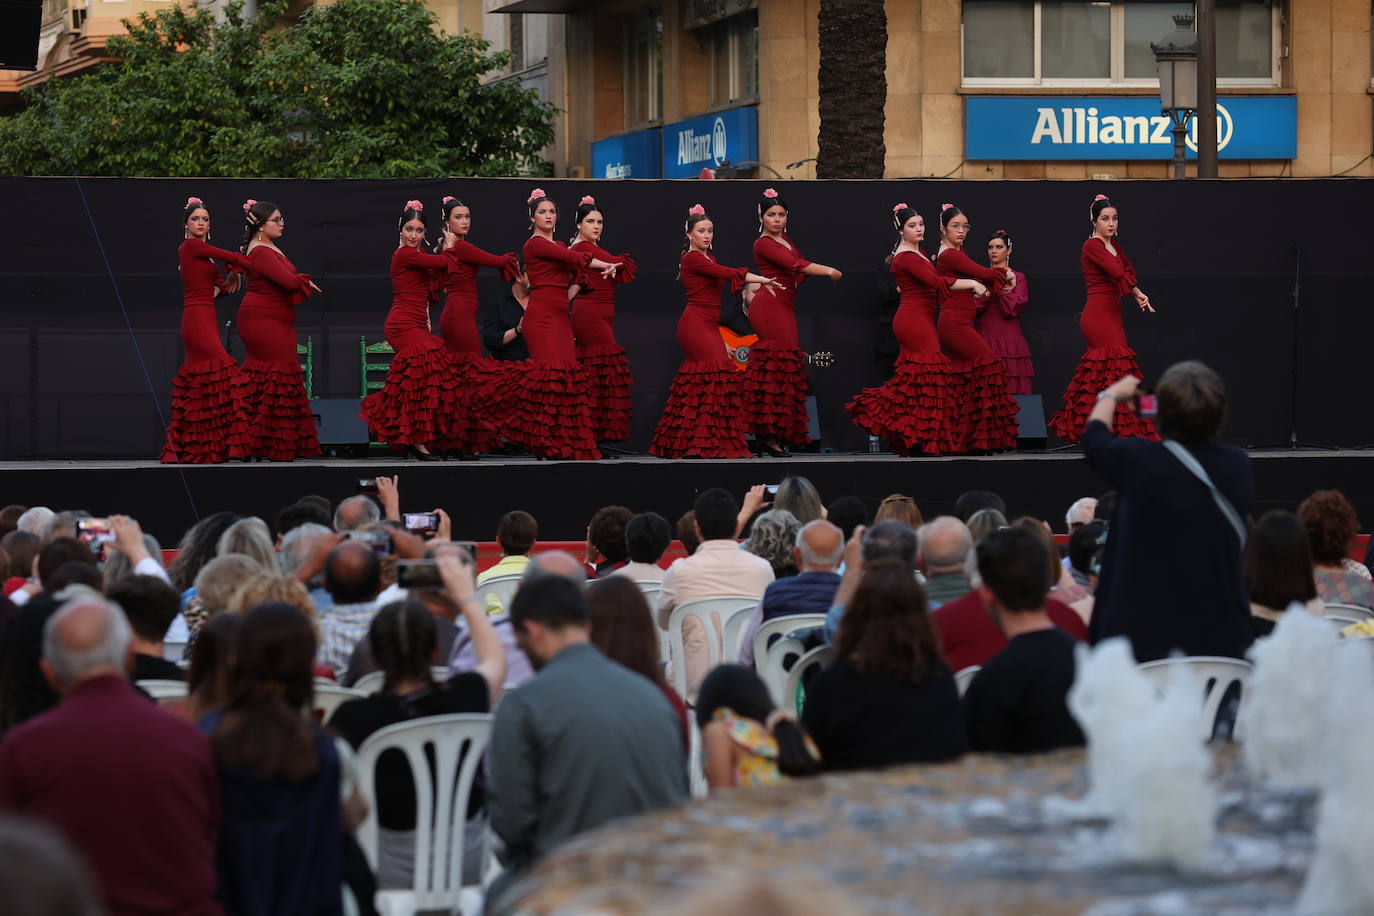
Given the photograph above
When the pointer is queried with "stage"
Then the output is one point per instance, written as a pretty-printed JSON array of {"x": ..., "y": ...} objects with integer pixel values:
[{"x": 562, "y": 495}]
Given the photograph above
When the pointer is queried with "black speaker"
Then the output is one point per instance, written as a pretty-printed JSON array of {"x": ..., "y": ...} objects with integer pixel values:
[
  {"x": 19, "y": 24},
  {"x": 1030, "y": 421},
  {"x": 339, "y": 422}
]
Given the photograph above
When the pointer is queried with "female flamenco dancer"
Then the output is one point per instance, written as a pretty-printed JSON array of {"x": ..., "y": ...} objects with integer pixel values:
[
  {"x": 704, "y": 416},
  {"x": 988, "y": 412},
  {"x": 280, "y": 425},
  {"x": 469, "y": 430},
  {"x": 418, "y": 406},
  {"x": 543, "y": 399},
  {"x": 999, "y": 318},
  {"x": 914, "y": 411},
  {"x": 593, "y": 324},
  {"x": 775, "y": 383},
  {"x": 1108, "y": 276},
  {"x": 208, "y": 423}
]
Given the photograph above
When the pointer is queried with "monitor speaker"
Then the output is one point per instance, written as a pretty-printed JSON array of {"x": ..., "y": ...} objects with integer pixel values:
[
  {"x": 338, "y": 421},
  {"x": 19, "y": 24},
  {"x": 1030, "y": 421}
]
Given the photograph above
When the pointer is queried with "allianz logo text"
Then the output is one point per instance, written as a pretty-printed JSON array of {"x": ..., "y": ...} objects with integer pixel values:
[
  {"x": 693, "y": 147},
  {"x": 1079, "y": 126}
]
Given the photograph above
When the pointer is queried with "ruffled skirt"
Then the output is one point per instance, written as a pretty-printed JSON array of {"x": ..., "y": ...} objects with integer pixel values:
[
  {"x": 472, "y": 428},
  {"x": 542, "y": 405},
  {"x": 914, "y": 410},
  {"x": 419, "y": 402},
  {"x": 1100, "y": 368},
  {"x": 280, "y": 423},
  {"x": 1015, "y": 354},
  {"x": 774, "y": 393},
  {"x": 987, "y": 412},
  {"x": 704, "y": 416},
  {"x": 608, "y": 391},
  {"x": 208, "y": 423}
]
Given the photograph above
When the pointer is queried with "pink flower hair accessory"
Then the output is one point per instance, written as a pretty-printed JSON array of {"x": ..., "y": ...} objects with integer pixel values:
[
  {"x": 587, "y": 199},
  {"x": 1099, "y": 197},
  {"x": 415, "y": 205},
  {"x": 249, "y": 204},
  {"x": 944, "y": 207},
  {"x": 535, "y": 195},
  {"x": 194, "y": 202},
  {"x": 697, "y": 210},
  {"x": 898, "y": 208},
  {"x": 447, "y": 199},
  {"x": 769, "y": 192}
]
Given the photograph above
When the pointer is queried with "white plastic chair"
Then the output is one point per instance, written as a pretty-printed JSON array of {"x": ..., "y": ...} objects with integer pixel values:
[
  {"x": 173, "y": 651},
  {"x": 1346, "y": 613},
  {"x": 772, "y": 666},
  {"x": 733, "y": 633},
  {"x": 818, "y": 657},
  {"x": 164, "y": 690},
  {"x": 503, "y": 587},
  {"x": 329, "y": 696},
  {"x": 964, "y": 676},
  {"x": 714, "y": 615},
  {"x": 1215, "y": 674},
  {"x": 458, "y": 742},
  {"x": 371, "y": 682},
  {"x": 650, "y": 588}
]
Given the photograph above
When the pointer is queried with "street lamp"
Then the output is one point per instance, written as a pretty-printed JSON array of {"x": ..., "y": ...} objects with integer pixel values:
[{"x": 1176, "y": 58}]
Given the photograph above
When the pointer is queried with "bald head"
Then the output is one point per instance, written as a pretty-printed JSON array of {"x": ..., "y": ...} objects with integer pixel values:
[
  {"x": 820, "y": 546},
  {"x": 555, "y": 563},
  {"x": 355, "y": 512},
  {"x": 352, "y": 573},
  {"x": 945, "y": 544},
  {"x": 86, "y": 638}
]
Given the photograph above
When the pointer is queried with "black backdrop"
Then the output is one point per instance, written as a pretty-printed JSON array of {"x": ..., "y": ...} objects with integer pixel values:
[{"x": 1217, "y": 259}]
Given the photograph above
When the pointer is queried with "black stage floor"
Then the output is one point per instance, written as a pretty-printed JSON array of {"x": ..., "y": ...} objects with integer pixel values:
[{"x": 563, "y": 495}]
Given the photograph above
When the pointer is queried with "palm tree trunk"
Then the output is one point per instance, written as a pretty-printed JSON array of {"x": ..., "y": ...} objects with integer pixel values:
[{"x": 853, "y": 88}]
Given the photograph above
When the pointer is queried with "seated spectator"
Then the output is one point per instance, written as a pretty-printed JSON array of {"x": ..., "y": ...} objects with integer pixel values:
[
  {"x": 301, "y": 512},
  {"x": 944, "y": 550},
  {"x": 441, "y": 608},
  {"x": 984, "y": 522},
  {"x": 1018, "y": 702},
  {"x": 886, "y": 541},
  {"x": 686, "y": 528},
  {"x": 584, "y": 728},
  {"x": 1278, "y": 570},
  {"x": 607, "y": 550},
  {"x": 1079, "y": 514},
  {"x": 251, "y": 538},
  {"x": 297, "y": 546},
  {"x": 888, "y": 697},
  {"x": 197, "y": 547},
  {"x": 35, "y": 521},
  {"x": 207, "y": 680},
  {"x": 355, "y": 512},
  {"x": 622, "y": 626},
  {"x": 848, "y": 513},
  {"x": 517, "y": 533},
  {"x": 117, "y": 566},
  {"x": 774, "y": 538},
  {"x": 22, "y": 549},
  {"x": 150, "y": 605},
  {"x": 745, "y": 739},
  {"x": 899, "y": 508},
  {"x": 718, "y": 568},
  {"x": 818, "y": 551},
  {"x": 353, "y": 579},
  {"x": 647, "y": 537},
  {"x": 404, "y": 641},
  {"x": 968, "y": 504},
  {"x": 280, "y": 846},
  {"x": 215, "y": 586},
  {"x": 131, "y": 786},
  {"x": 1085, "y": 549},
  {"x": 52, "y": 556},
  {"x": 63, "y": 524},
  {"x": 41, "y": 874},
  {"x": 1062, "y": 587},
  {"x": 798, "y": 496},
  {"x": 268, "y": 587},
  {"x": 9, "y": 518},
  {"x": 1331, "y": 526}
]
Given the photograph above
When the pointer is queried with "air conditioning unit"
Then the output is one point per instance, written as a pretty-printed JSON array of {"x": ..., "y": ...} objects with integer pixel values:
[{"x": 76, "y": 15}]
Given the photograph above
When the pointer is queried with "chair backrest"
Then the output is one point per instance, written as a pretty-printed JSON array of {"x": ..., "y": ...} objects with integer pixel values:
[
  {"x": 792, "y": 692},
  {"x": 964, "y": 676},
  {"x": 330, "y": 696},
  {"x": 1223, "y": 681},
  {"x": 772, "y": 660},
  {"x": 441, "y": 797},
  {"x": 307, "y": 350},
  {"x": 1340, "y": 618},
  {"x": 174, "y": 651},
  {"x": 502, "y": 587},
  {"x": 733, "y": 633},
  {"x": 714, "y": 615},
  {"x": 164, "y": 690},
  {"x": 374, "y": 362},
  {"x": 372, "y": 682},
  {"x": 1352, "y": 613},
  {"x": 650, "y": 588}
]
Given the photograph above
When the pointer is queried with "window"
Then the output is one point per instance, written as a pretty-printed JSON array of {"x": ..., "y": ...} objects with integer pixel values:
[
  {"x": 517, "y": 42},
  {"x": 643, "y": 69},
  {"x": 1106, "y": 42},
  {"x": 734, "y": 44}
]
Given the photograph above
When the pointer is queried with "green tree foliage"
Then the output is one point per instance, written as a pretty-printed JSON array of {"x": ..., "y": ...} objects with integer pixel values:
[{"x": 358, "y": 89}]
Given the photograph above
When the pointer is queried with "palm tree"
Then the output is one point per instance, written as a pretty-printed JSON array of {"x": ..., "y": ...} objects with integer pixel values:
[{"x": 853, "y": 88}]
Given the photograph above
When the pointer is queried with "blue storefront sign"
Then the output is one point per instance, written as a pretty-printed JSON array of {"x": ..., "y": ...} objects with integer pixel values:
[
  {"x": 633, "y": 155},
  {"x": 706, "y": 142},
  {"x": 1116, "y": 127}
]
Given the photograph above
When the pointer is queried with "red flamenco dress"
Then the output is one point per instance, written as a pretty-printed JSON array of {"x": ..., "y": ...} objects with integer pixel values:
[
  {"x": 775, "y": 384},
  {"x": 999, "y": 321},
  {"x": 987, "y": 420},
  {"x": 419, "y": 402},
  {"x": 704, "y": 416},
  {"x": 1107, "y": 277},
  {"x": 543, "y": 400},
  {"x": 280, "y": 424},
  {"x": 208, "y": 424},
  {"x": 470, "y": 427},
  {"x": 603, "y": 358},
  {"x": 914, "y": 411}
]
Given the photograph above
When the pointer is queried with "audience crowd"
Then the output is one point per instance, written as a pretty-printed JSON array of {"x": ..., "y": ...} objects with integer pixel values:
[{"x": 945, "y": 636}]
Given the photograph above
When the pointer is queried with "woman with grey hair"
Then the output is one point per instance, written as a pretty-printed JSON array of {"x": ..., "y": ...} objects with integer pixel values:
[
  {"x": 798, "y": 496},
  {"x": 772, "y": 537},
  {"x": 984, "y": 522},
  {"x": 253, "y": 539},
  {"x": 117, "y": 567}
]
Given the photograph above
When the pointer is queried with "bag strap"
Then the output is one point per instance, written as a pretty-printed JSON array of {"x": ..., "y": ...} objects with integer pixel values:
[{"x": 1186, "y": 458}]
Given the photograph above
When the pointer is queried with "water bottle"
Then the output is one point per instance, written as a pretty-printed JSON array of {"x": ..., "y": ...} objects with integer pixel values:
[{"x": 873, "y": 445}]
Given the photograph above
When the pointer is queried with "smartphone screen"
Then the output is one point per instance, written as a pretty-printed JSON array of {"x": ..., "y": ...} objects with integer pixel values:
[
  {"x": 94, "y": 530},
  {"x": 418, "y": 575},
  {"x": 367, "y": 485},
  {"x": 422, "y": 523},
  {"x": 1148, "y": 407},
  {"x": 379, "y": 541},
  {"x": 771, "y": 489}
]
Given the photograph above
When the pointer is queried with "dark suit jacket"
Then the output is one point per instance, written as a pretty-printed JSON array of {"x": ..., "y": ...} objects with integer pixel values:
[{"x": 497, "y": 317}]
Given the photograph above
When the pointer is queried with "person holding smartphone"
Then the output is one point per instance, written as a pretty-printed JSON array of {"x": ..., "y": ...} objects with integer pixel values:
[
  {"x": 208, "y": 423},
  {"x": 593, "y": 324},
  {"x": 281, "y": 426},
  {"x": 1109, "y": 276}
]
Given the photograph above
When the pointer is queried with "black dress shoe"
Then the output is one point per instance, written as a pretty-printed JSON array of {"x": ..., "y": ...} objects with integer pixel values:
[
  {"x": 414, "y": 452},
  {"x": 773, "y": 448}
]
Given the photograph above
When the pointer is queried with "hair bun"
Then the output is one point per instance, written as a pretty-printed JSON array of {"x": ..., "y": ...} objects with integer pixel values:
[
  {"x": 944, "y": 207},
  {"x": 194, "y": 202},
  {"x": 535, "y": 195},
  {"x": 899, "y": 208},
  {"x": 414, "y": 205},
  {"x": 447, "y": 199}
]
